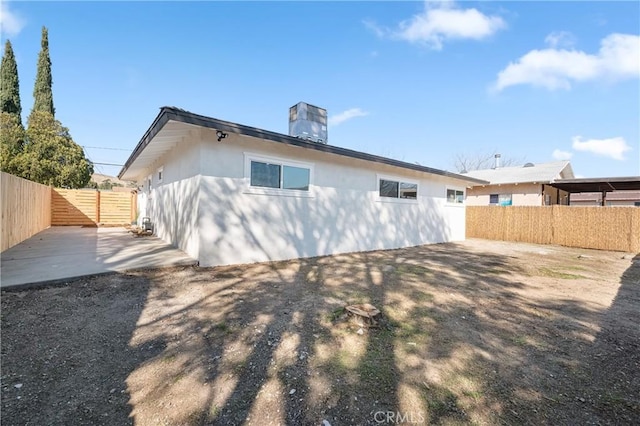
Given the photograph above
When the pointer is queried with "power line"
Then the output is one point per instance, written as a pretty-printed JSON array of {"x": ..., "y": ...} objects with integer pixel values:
[
  {"x": 99, "y": 169},
  {"x": 104, "y": 147},
  {"x": 109, "y": 164}
]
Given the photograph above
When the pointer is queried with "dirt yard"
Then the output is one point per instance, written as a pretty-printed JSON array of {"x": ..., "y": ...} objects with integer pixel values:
[{"x": 478, "y": 332}]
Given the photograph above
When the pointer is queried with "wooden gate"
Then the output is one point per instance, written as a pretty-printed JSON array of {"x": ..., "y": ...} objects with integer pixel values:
[{"x": 91, "y": 208}]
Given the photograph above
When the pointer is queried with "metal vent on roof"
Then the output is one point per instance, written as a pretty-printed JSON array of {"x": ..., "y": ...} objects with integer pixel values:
[
  {"x": 308, "y": 122},
  {"x": 529, "y": 165}
]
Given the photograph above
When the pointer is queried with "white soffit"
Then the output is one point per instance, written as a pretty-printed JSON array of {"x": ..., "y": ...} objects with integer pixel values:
[{"x": 164, "y": 141}]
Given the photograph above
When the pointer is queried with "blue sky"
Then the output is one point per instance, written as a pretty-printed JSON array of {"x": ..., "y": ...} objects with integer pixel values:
[{"x": 419, "y": 82}]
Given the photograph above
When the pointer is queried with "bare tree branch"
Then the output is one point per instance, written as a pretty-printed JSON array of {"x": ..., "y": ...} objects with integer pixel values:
[{"x": 463, "y": 163}]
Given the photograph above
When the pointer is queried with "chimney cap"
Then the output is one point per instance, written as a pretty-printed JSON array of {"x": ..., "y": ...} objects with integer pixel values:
[{"x": 497, "y": 161}]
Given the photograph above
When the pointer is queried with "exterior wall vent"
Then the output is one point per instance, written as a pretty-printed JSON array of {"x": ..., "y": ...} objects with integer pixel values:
[{"x": 308, "y": 122}]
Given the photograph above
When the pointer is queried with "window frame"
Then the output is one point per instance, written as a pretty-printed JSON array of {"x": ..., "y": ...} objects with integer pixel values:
[
  {"x": 456, "y": 189},
  {"x": 399, "y": 180},
  {"x": 160, "y": 174},
  {"x": 280, "y": 161}
]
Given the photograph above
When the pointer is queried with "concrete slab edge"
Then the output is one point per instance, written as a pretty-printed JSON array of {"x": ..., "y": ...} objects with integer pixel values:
[{"x": 37, "y": 285}]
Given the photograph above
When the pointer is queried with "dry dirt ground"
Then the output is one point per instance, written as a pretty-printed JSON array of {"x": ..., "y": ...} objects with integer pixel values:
[{"x": 478, "y": 332}]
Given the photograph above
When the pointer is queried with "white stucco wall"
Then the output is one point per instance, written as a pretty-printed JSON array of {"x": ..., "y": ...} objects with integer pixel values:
[
  {"x": 342, "y": 212},
  {"x": 174, "y": 202}
]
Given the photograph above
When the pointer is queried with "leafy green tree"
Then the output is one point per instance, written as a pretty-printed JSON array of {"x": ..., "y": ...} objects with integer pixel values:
[
  {"x": 12, "y": 136},
  {"x": 51, "y": 157},
  {"x": 10, "y": 84},
  {"x": 42, "y": 91}
]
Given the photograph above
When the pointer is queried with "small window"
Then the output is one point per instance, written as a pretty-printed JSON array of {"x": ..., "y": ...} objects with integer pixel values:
[
  {"x": 265, "y": 175},
  {"x": 500, "y": 199},
  {"x": 388, "y": 188},
  {"x": 505, "y": 200},
  {"x": 408, "y": 190},
  {"x": 637, "y": 203},
  {"x": 397, "y": 189},
  {"x": 455, "y": 196},
  {"x": 160, "y": 174},
  {"x": 280, "y": 176},
  {"x": 295, "y": 178}
]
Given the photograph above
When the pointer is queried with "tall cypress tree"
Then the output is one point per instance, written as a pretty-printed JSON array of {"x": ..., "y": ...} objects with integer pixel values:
[
  {"x": 50, "y": 156},
  {"x": 12, "y": 132},
  {"x": 42, "y": 93},
  {"x": 9, "y": 83}
]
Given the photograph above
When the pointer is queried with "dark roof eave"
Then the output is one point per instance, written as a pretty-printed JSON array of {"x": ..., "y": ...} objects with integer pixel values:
[
  {"x": 607, "y": 184},
  {"x": 175, "y": 114}
]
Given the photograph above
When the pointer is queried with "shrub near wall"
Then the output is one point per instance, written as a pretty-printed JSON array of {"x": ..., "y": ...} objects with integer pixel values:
[
  {"x": 26, "y": 209},
  {"x": 604, "y": 228}
]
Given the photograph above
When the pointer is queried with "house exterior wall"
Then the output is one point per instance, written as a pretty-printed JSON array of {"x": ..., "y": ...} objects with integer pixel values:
[
  {"x": 553, "y": 196},
  {"x": 172, "y": 202},
  {"x": 523, "y": 194},
  {"x": 342, "y": 212}
]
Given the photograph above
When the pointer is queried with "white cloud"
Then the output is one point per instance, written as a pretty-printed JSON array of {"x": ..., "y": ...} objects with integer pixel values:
[
  {"x": 617, "y": 59},
  {"x": 11, "y": 23},
  {"x": 442, "y": 21},
  {"x": 562, "y": 155},
  {"x": 560, "y": 39},
  {"x": 374, "y": 28},
  {"x": 346, "y": 115},
  {"x": 612, "y": 147}
]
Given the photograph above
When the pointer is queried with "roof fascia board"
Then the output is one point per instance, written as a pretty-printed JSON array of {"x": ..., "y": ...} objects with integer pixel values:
[{"x": 175, "y": 114}]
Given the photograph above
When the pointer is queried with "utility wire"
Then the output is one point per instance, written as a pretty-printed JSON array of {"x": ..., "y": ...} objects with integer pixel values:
[
  {"x": 109, "y": 164},
  {"x": 99, "y": 169},
  {"x": 104, "y": 147}
]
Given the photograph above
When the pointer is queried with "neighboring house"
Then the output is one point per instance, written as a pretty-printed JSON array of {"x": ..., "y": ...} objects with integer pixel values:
[
  {"x": 526, "y": 185},
  {"x": 226, "y": 193},
  {"x": 616, "y": 198}
]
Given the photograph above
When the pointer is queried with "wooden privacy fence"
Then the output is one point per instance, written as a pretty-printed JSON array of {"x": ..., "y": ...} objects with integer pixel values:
[
  {"x": 26, "y": 209},
  {"x": 80, "y": 207},
  {"x": 604, "y": 228}
]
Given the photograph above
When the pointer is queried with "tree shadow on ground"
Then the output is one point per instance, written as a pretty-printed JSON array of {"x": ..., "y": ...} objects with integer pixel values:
[
  {"x": 609, "y": 369},
  {"x": 66, "y": 353},
  {"x": 465, "y": 338}
]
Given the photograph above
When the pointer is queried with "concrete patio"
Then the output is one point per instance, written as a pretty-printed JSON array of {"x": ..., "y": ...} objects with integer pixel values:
[{"x": 65, "y": 252}]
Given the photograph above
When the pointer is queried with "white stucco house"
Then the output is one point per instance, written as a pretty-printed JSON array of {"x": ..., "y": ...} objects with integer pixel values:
[
  {"x": 227, "y": 193},
  {"x": 525, "y": 185}
]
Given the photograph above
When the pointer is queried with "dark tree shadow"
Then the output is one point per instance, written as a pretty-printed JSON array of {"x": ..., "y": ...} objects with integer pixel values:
[{"x": 66, "y": 355}]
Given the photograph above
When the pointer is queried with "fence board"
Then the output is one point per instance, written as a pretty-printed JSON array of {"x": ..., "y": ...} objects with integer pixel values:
[
  {"x": 26, "y": 209},
  {"x": 81, "y": 207},
  {"x": 604, "y": 228},
  {"x": 73, "y": 207},
  {"x": 115, "y": 207}
]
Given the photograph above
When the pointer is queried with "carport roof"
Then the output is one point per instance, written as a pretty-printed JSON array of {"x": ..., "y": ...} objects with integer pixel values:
[
  {"x": 172, "y": 115},
  {"x": 606, "y": 184}
]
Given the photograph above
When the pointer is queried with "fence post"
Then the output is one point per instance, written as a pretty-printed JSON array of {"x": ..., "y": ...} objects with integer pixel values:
[
  {"x": 97, "y": 207},
  {"x": 134, "y": 205}
]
